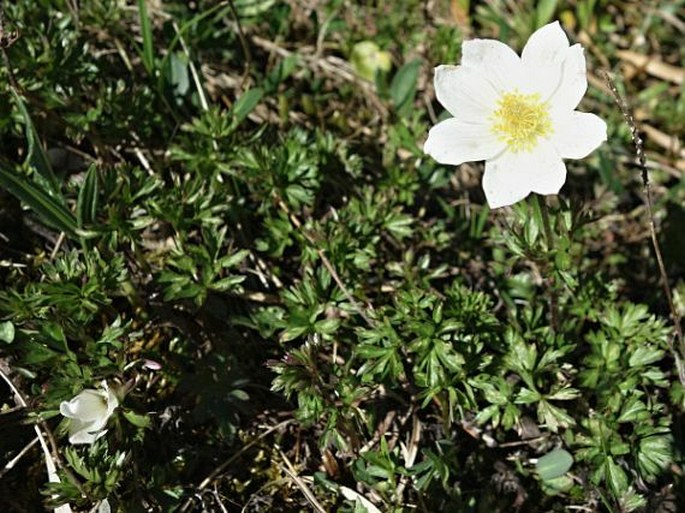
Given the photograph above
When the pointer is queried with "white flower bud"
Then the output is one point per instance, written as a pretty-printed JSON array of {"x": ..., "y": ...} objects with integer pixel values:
[{"x": 88, "y": 413}]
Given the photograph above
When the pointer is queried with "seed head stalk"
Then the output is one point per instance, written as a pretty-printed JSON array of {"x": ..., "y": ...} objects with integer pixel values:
[{"x": 647, "y": 187}]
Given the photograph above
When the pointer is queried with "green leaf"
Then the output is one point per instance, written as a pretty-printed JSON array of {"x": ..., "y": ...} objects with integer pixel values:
[
  {"x": 141, "y": 421},
  {"x": 632, "y": 501},
  {"x": 633, "y": 410},
  {"x": 228, "y": 283},
  {"x": 554, "y": 464},
  {"x": 616, "y": 476},
  {"x": 36, "y": 156},
  {"x": 148, "y": 48},
  {"x": 234, "y": 259},
  {"x": 644, "y": 355},
  {"x": 251, "y": 8},
  {"x": 7, "y": 332},
  {"x": 399, "y": 225},
  {"x": 558, "y": 485},
  {"x": 553, "y": 417},
  {"x": 654, "y": 455},
  {"x": 403, "y": 86},
  {"x": 367, "y": 59},
  {"x": 246, "y": 104},
  {"x": 86, "y": 207},
  {"x": 175, "y": 72},
  {"x": 50, "y": 211},
  {"x": 565, "y": 394},
  {"x": 526, "y": 396},
  {"x": 544, "y": 12},
  {"x": 35, "y": 353}
]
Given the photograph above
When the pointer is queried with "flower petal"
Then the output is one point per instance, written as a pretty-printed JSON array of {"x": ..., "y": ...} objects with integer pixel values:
[
  {"x": 80, "y": 432},
  {"x": 548, "y": 170},
  {"x": 112, "y": 402},
  {"x": 503, "y": 182},
  {"x": 542, "y": 59},
  {"x": 85, "y": 437},
  {"x": 512, "y": 176},
  {"x": 454, "y": 141},
  {"x": 494, "y": 60},
  {"x": 578, "y": 134},
  {"x": 546, "y": 46},
  {"x": 87, "y": 406},
  {"x": 465, "y": 93},
  {"x": 573, "y": 84}
]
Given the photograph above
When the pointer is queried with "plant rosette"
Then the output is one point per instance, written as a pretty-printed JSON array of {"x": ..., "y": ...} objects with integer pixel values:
[
  {"x": 88, "y": 413},
  {"x": 516, "y": 113}
]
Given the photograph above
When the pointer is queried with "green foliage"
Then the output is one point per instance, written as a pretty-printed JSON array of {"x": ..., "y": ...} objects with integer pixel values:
[{"x": 290, "y": 301}]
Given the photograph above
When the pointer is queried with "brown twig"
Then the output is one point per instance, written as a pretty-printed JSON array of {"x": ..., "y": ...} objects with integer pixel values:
[
  {"x": 243, "y": 44},
  {"x": 306, "y": 491},
  {"x": 49, "y": 458},
  {"x": 10, "y": 464},
  {"x": 642, "y": 163},
  {"x": 217, "y": 471}
]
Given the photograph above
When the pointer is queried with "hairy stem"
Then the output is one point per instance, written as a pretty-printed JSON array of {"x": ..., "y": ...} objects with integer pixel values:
[{"x": 550, "y": 280}]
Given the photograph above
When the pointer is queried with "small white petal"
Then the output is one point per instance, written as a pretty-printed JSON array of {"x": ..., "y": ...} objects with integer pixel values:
[
  {"x": 503, "y": 182},
  {"x": 495, "y": 60},
  {"x": 88, "y": 414},
  {"x": 465, "y": 93},
  {"x": 112, "y": 402},
  {"x": 80, "y": 432},
  {"x": 81, "y": 437},
  {"x": 513, "y": 176},
  {"x": 548, "y": 171},
  {"x": 546, "y": 46},
  {"x": 573, "y": 84},
  {"x": 454, "y": 141},
  {"x": 104, "y": 507},
  {"x": 542, "y": 59},
  {"x": 85, "y": 437},
  {"x": 86, "y": 406},
  {"x": 578, "y": 134}
]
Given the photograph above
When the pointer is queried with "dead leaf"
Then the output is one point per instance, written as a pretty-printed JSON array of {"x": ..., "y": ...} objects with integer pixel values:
[
  {"x": 653, "y": 66},
  {"x": 668, "y": 142},
  {"x": 460, "y": 12}
]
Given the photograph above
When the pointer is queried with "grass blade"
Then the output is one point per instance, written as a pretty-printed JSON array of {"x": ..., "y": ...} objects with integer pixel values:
[
  {"x": 50, "y": 211},
  {"x": 37, "y": 158},
  {"x": 148, "y": 53},
  {"x": 86, "y": 207}
]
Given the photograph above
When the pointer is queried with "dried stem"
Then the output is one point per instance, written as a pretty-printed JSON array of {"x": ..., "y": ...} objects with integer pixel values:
[
  {"x": 221, "y": 468},
  {"x": 243, "y": 44},
  {"x": 49, "y": 459},
  {"x": 642, "y": 163}
]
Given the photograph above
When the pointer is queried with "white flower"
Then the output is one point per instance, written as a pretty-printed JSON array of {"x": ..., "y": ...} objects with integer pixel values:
[
  {"x": 516, "y": 113},
  {"x": 88, "y": 413}
]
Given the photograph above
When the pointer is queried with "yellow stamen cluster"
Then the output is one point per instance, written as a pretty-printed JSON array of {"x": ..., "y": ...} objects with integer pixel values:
[{"x": 520, "y": 120}]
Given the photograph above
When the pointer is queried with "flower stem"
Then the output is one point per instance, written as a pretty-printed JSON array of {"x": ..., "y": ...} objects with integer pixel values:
[{"x": 549, "y": 266}]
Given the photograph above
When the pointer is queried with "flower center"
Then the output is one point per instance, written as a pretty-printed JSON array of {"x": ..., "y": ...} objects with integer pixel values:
[{"x": 520, "y": 120}]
